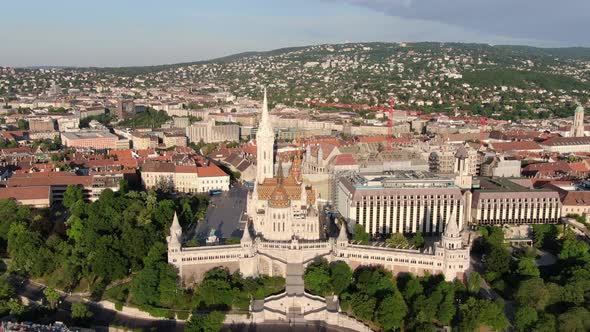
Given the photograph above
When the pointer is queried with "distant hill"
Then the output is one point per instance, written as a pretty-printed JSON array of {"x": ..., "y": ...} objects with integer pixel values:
[
  {"x": 138, "y": 70},
  {"x": 580, "y": 53},
  {"x": 503, "y": 81}
]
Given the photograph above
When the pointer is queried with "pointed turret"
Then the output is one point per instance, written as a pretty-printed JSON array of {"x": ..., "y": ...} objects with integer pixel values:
[
  {"x": 175, "y": 228},
  {"x": 174, "y": 240},
  {"x": 452, "y": 230},
  {"x": 246, "y": 238}
]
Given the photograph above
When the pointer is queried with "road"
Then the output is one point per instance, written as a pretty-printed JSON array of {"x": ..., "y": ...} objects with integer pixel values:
[
  {"x": 102, "y": 316},
  {"x": 224, "y": 213}
]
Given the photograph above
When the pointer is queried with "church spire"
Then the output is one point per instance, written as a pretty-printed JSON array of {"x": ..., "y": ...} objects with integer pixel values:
[
  {"x": 265, "y": 118},
  {"x": 265, "y": 140}
]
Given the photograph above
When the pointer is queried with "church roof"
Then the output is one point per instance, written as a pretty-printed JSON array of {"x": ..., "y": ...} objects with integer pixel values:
[{"x": 279, "y": 198}]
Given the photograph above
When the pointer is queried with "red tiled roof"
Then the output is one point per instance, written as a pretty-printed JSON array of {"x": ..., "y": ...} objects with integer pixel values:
[
  {"x": 145, "y": 153},
  {"x": 557, "y": 141},
  {"x": 186, "y": 169},
  {"x": 210, "y": 171},
  {"x": 579, "y": 167},
  {"x": 556, "y": 166},
  {"x": 345, "y": 159},
  {"x": 24, "y": 181},
  {"x": 516, "y": 146},
  {"x": 11, "y": 135},
  {"x": 372, "y": 139},
  {"x": 250, "y": 149},
  {"x": 25, "y": 193},
  {"x": 122, "y": 154},
  {"x": 17, "y": 150},
  {"x": 579, "y": 198}
]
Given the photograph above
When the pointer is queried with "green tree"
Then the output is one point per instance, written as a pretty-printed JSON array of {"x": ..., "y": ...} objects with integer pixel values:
[
  {"x": 80, "y": 312},
  {"x": 75, "y": 228},
  {"x": 23, "y": 124},
  {"x": 497, "y": 262},
  {"x": 72, "y": 195},
  {"x": 360, "y": 235},
  {"x": 6, "y": 289},
  {"x": 546, "y": 323},
  {"x": 144, "y": 287},
  {"x": 168, "y": 284},
  {"x": 576, "y": 319},
  {"x": 495, "y": 236},
  {"x": 15, "y": 307},
  {"x": 527, "y": 267},
  {"x": 211, "y": 322},
  {"x": 27, "y": 251},
  {"x": 474, "y": 283},
  {"x": 525, "y": 318},
  {"x": 391, "y": 312},
  {"x": 340, "y": 276},
  {"x": 573, "y": 248},
  {"x": 447, "y": 309},
  {"x": 476, "y": 313},
  {"x": 397, "y": 240},
  {"x": 413, "y": 289},
  {"x": 363, "y": 306},
  {"x": 418, "y": 240},
  {"x": 52, "y": 296},
  {"x": 532, "y": 292},
  {"x": 317, "y": 277}
]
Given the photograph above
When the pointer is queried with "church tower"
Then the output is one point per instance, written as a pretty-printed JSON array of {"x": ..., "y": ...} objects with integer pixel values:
[
  {"x": 578, "y": 126},
  {"x": 265, "y": 141}
]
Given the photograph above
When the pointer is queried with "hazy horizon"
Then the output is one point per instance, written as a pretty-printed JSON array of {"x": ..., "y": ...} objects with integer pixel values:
[{"x": 70, "y": 33}]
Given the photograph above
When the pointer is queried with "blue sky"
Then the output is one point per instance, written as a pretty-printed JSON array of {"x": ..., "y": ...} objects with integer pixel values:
[{"x": 144, "y": 32}]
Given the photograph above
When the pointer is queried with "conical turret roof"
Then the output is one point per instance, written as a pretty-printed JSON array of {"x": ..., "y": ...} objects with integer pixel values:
[
  {"x": 175, "y": 225},
  {"x": 452, "y": 229},
  {"x": 246, "y": 235}
]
